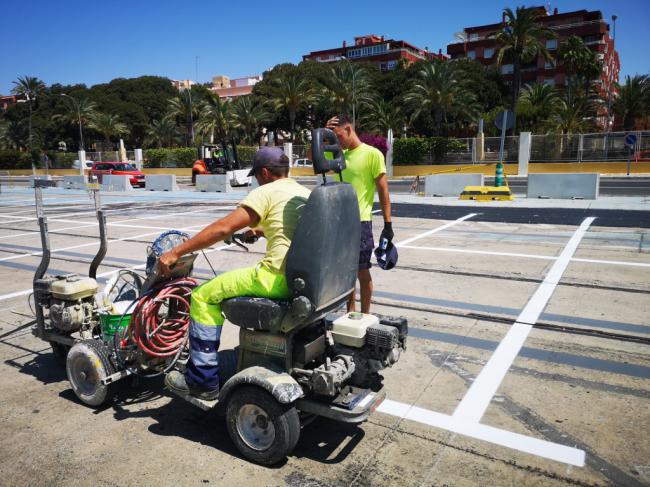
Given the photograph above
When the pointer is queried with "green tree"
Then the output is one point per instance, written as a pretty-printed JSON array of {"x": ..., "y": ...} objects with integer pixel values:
[
  {"x": 248, "y": 118},
  {"x": 77, "y": 109},
  {"x": 347, "y": 88},
  {"x": 292, "y": 94},
  {"x": 579, "y": 61},
  {"x": 162, "y": 133},
  {"x": 380, "y": 116},
  {"x": 108, "y": 125},
  {"x": 572, "y": 114},
  {"x": 214, "y": 119},
  {"x": 439, "y": 92},
  {"x": 633, "y": 100},
  {"x": 522, "y": 40},
  {"x": 29, "y": 87},
  {"x": 185, "y": 109},
  {"x": 537, "y": 102}
]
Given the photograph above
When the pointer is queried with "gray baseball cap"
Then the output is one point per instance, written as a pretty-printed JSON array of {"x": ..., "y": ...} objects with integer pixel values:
[{"x": 269, "y": 157}]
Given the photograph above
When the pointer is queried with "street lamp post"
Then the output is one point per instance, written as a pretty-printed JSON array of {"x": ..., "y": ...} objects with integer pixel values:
[
  {"x": 610, "y": 76},
  {"x": 353, "y": 91},
  {"x": 76, "y": 104}
]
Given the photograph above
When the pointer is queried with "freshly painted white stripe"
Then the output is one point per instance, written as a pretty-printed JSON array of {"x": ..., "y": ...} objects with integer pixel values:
[
  {"x": 508, "y": 439},
  {"x": 435, "y": 230},
  {"x": 375, "y": 211},
  {"x": 480, "y": 394},
  {"x": 528, "y": 256}
]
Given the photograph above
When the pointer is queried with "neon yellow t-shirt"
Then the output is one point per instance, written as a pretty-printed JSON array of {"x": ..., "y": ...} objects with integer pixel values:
[
  {"x": 279, "y": 205},
  {"x": 364, "y": 165}
]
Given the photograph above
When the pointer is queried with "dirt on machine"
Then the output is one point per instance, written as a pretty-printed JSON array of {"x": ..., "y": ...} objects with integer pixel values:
[{"x": 298, "y": 358}]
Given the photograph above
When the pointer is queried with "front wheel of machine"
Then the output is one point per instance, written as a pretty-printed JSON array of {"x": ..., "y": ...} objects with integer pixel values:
[
  {"x": 87, "y": 364},
  {"x": 263, "y": 430}
]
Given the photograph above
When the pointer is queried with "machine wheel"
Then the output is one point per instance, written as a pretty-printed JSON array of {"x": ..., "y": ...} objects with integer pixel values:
[
  {"x": 87, "y": 364},
  {"x": 264, "y": 430},
  {"x": 194, "y": 174}
]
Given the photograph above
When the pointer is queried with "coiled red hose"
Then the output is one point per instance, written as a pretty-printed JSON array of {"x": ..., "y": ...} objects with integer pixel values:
[{"x": 160, "y": 320}]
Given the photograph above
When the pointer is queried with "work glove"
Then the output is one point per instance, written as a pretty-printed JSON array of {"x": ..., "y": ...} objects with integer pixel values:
[{"x": 386, "y": 233}]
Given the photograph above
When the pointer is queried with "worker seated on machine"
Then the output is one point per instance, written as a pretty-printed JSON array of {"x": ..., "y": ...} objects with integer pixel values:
[{"x": 272, "y": 211}]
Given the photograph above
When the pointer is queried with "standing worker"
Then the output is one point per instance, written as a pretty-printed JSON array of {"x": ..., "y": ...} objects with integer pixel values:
[
  {"x": 272, "y": 211},
  {"x": 365, "y": 171}
]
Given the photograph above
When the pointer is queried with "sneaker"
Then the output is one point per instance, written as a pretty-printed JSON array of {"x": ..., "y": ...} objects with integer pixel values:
[{"x": 175, "y": 381}]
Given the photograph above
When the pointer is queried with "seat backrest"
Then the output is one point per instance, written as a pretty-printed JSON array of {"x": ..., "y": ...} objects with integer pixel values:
[{"x": 323, "y": 258}]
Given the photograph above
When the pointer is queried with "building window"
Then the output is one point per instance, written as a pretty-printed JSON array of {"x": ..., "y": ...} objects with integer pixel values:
[
  {"x": 474, "y": 36},
  {"x": 551, "y": 44},
  {"x": 506, "y": 69},
  {"x": 549, "y": 81},
  {"x": 550, "y": 64},
  {"x": 488, "y": 53},
  {"x": 471, "y": 54},
  {"x": 390, "y": 65}
]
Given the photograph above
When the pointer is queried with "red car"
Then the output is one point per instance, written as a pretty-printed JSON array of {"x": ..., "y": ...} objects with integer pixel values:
[{"x": 117, "y": 169}]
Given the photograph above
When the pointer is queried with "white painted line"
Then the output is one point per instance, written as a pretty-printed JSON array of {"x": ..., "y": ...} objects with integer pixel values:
[
  {"x": 375, "y": 211},
  {"x": 527, "y": 256},
  {"x": 508, "y": 439},
  {"x": 480, "y": 394},
  {"x": 435, "y": 230}
]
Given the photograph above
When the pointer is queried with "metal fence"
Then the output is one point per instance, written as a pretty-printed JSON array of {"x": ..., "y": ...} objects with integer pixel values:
[
  {"x": 109, "y": 156},
  {"x": 587, "y": 147}
]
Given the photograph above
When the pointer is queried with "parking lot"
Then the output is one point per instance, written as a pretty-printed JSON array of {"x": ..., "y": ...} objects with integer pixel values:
[{"x": 528, "y": 359}]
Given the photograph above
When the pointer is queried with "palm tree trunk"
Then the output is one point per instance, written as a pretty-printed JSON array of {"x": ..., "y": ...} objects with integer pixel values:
[
  {"x": 292, "y": 120},
  {"x": 516, "y": 82}
]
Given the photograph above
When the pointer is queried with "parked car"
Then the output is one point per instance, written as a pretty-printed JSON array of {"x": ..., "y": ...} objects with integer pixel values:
[
  {"x": 99, "y": 169},
  {"x": 302, "y": 163},
  {"x": 76, "y": 162},
  {"x": 642, "y": 156}
]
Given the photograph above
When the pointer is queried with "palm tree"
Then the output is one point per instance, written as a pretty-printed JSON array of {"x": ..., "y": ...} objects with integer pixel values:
[
  {"x": 5, "y": 139},
  {"x": 162, "y": 133},
  {"x": 214, "y": 119},
  {"x": 291, "y": 94},
  {"x": 579, "y": 61},
  {"x": 108, "y": 125},
  {"x": 439, "y": 91},
  {"x": 537, "y": 102},
  {"x": 29, "y": 87},
  {"x": 183, "y": 108},
  {"x": 572, "y": 114},
  {"x": 632, "y": 101},
  {"x": 347, "y": 86},
  {"x": 248, "y": 118},
  {"x": 522, "y": 39},
  {"x": 78, "y": 111},
  {"x": 382, "y": 116}
]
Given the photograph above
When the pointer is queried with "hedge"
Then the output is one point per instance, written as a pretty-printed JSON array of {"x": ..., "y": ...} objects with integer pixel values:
[
  {"x": 185, "y": 156},
  {"x": 423, "y": 150},
  {"x": 15, "y": 159}
]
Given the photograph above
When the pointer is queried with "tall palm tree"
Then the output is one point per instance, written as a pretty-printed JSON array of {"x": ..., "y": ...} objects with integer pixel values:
[
  {"x": 579, "y": 61},
  {"x": 632, "y": 101},
  {"x": 522, "y": 40},
  {"x": 29, "y": 87},
  {"x": 439, "y": 91},
  {"x": 162, "y": 133},
  {"x": 572, "y": 114},
  {"x": 185, "y": 108},
  {"x": 214, "y": 119},
  {"x": 346, "y": 88},
  {"x": 108, "y": 125},
  {"x": 292, "y": 93},
  {"x": 248, "y": 118},
  {"x": 78, "y": 111},
  {"x": 537, "y": 102},
  {"x": 380, "y": 116}
]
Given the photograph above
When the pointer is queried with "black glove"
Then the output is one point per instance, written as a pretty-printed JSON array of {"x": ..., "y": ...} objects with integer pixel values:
[{"x": 387, "y": 232}]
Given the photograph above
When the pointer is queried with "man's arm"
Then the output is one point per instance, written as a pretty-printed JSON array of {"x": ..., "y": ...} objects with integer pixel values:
[
  {"x": 384, "y": 202},
  {"x": 236, "y": 220}
]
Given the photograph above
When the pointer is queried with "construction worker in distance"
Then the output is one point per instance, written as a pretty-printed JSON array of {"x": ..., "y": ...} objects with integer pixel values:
[
  {"x": 365, "y": 171},
  {"x": 272, "y": 211}
]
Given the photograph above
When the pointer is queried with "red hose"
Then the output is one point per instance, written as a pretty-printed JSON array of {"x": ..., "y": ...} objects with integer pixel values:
[{"x": 162, "y": 336}]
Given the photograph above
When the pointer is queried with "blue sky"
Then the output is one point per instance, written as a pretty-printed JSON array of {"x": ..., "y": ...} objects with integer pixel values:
[{"x": 93, "y": 42}]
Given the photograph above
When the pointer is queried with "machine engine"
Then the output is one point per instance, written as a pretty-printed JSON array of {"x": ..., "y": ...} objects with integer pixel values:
[{"x": 71, "y": 302}]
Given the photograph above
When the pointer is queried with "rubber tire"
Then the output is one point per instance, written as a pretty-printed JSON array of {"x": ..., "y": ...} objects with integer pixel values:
[
  {"x": 285, "y": 421},
  {"x": 92, "y": 354},
  {"x": 194, "y": 175}
]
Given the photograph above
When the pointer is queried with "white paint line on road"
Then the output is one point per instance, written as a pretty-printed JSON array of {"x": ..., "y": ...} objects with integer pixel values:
[
  {"x": 435, "y": 230},
  {"x": 480, "y": 394},
  {"x": 527, "y": 256},
  {"x": 508, "y": 439}
]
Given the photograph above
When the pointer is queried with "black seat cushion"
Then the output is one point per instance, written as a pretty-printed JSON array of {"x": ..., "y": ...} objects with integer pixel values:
[{"x": 255, "y": 313}]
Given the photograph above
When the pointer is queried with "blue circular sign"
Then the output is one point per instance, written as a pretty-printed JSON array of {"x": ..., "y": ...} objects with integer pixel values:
[{"x": 630, "y": 139}]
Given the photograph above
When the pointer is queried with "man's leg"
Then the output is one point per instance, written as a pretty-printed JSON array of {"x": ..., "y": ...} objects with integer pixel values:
[
  {"x": 365, "y": 280},
  {"x": 365, "y": 283}
]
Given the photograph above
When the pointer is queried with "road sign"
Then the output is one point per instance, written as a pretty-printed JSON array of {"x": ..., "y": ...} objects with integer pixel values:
[
  {"x": 630, "y": 140},
  {"x": 509, "y": 119}
]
